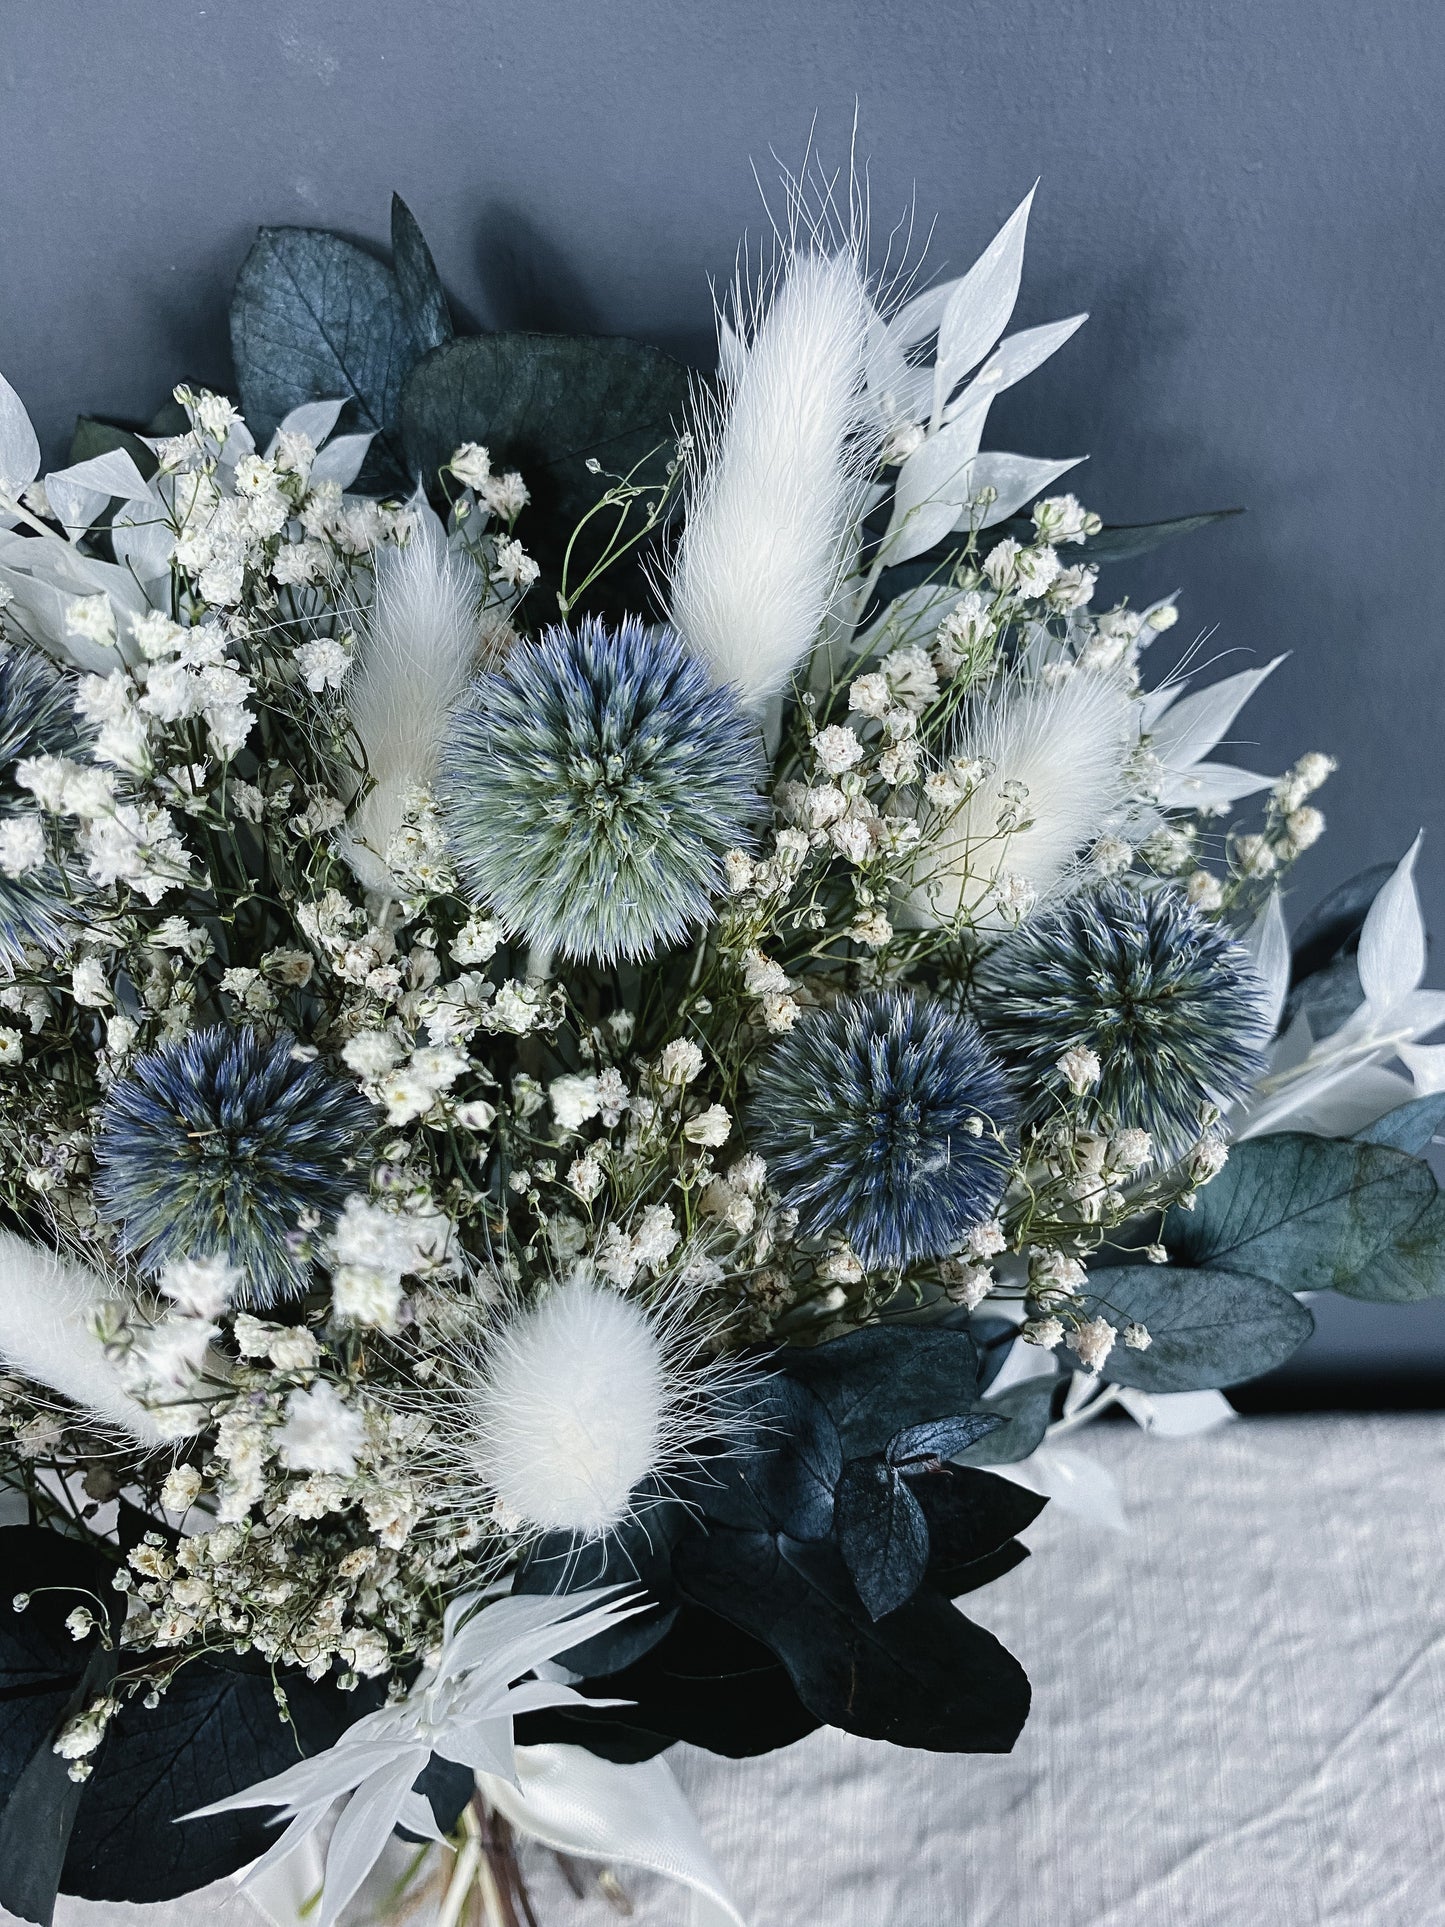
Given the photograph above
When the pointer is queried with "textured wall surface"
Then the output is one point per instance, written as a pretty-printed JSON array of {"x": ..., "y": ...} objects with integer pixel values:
[{"x": 1245, "y": 193}]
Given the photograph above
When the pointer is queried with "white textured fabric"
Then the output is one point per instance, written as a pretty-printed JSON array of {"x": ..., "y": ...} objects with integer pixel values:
[{"x": 1239, "y": 1721}]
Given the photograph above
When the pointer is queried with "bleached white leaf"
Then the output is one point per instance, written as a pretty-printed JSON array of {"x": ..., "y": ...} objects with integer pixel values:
[
  {"x": 80, "y": 495},
  {"x": 142, "y": 538},
  {"x": 1268, "y": 946},
  {"x": 110, "y": 474},
  {"x": 979, "y": 307},
  {"x": 1426, "y": 1065},
  {"x": 920, "y": 317},
  {"x": 314, "y": 419},
  {"x": 1209, "y": 786},
  {"x": 1156, "y": 702},
  {"x": 19, "y": 448},
  {"x": 931, "y": 486},
  {"x": 1017, "y": 479},
  {"x": 1016, "y": 356},
  {"x": 909, "y": 618},
  {"x": 1195, "y": 723},
  {"x": 341, "y": 459},
  {"x": 1177, "y": 1415},
  {"x": 1076, "y": 1484},
  {"x": 885, "y": 365},
  {"x": 1391, "y": 959}
]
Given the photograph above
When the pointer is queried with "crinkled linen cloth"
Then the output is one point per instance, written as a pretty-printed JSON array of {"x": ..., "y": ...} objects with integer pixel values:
[{"x": 1239, "y": 1721}]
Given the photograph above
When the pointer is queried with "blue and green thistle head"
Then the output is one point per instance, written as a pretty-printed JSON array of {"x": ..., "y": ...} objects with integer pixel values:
[
  {"x": 37, "y": 718},
  {"x": 882, "y": 1120},
  {"x": 592, "y": 785},
  {"x": 215, "y": 1145},
  {"x": 1164, "y": 997}
]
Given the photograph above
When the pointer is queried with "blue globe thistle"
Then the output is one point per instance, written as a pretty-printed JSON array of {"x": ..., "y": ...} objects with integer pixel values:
[
  {"x": 592, "y": 786},
  {"x": 1159, "y": 992},
  {"x": 216, "y": 1144},
  {"x": 882, "y": 1119},
  {"x": 37, "y": 718}
]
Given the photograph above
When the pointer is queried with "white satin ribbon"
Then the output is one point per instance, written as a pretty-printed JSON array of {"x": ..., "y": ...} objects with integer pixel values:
[{"x": 575, "y": 1803}]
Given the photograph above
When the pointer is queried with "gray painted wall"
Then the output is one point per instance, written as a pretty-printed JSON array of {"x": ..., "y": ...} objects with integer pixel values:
[{"x": 1247, "y": 195}]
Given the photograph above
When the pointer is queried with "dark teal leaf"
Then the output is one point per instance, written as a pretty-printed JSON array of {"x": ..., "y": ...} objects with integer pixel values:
[
  {"x": 1319, "y": 1214},
  {"x": 92, "y": 438},
  {"x": 46, "y": 1677},
  {"x": 1209, "y": 1327},
  {"x": 876, "y": 1382},
  {"x": 707, "y": 1683},
  {"x": 314, "y": 316},
  {"x": 973, "y": 1518},
  {"x": 1327, "y": 996},
  {"x": 422, "y": 296},
  {"x": 923, "y": 1676},
  {"x": 1025, "y": 1409},
  {"x": 1412, "y": 1127},
  {"x": 1127, "y": 540},
  {"x": 882, "y": 1535},
  {"x": 547, "y": 404},
  {"x": 784, "y": 1477},
  {"x": 940, "y": 1438},
  {"x": 216, "y": 1731}
]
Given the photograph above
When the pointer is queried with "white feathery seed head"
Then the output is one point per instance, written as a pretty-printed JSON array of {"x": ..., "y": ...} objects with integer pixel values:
[
  {"x": 418, "y": 645},
  {"x": 779, "y": 470},
  {"x": 46, "y": 1306},
  {"x": 572, "y": 1401},
  {"x": 1053, "y": 758}
]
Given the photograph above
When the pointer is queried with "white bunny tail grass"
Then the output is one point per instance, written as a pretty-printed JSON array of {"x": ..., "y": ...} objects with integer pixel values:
[
  {"x": 46, "y": 1303},
  {"x": 778, "y": 476},
  {"x": 1052, "y": 759},
  {"x": 561, "y": 1411},
  {"x": 418, "y": 645}
]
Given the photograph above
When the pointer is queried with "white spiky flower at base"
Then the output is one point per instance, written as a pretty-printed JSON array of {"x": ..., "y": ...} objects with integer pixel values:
[
  {"x": 46, "y": 1306},
  {"x": 419, "y": 643},
  {"x": 1053, "y": 757},
  {"x": 575, "y": 1401},
  {"x": 779, "y": 485}
]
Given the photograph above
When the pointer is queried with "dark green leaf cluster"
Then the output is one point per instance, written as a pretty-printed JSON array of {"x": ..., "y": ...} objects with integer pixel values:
[{"x": 808, "y": 1578}]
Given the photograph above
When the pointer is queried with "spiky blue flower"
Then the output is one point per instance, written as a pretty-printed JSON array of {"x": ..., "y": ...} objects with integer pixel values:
[
  {"x": 37, "y": 718},
  {"x": 592, "y": 785},
  {"x": 1162, "y": 995},
  {"x": 882, "y": 1119},
  {"x": 216, "y": 1144}
]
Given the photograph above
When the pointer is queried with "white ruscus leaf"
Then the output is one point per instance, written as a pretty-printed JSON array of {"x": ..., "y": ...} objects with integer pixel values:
[
  {"x": 19, "y": 449},
  {"x": 1392, "y": 941},
  {"x": 980, "y": 305}
]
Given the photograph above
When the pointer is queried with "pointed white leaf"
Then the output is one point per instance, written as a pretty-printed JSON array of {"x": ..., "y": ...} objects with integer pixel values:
[
  {"x": 111, "y": 474},
  {"x": 314, "y": 419},
  {"x": 1209, "y": 786},
  {"x": 931, "y": 485},
  {"x": 19, "y": 449},
  {"x": 1154, "y": 703},
  {"x": 979, "y": 307},
  {"x": 920, "y": 317},
  {"x": 1195, "y": 723},
  {"x": 1016, "y": 356},
  {"x": 1268, "y": 946},
  {"x": 1017, "y": 479},
  {"x": 340, "y": 461},
  {"x": 1392, "y": 942},
  {"x": 1426, "y": 1065},
  {"x": 142, "y": 538},
  {"x": 885, "y": 366}
]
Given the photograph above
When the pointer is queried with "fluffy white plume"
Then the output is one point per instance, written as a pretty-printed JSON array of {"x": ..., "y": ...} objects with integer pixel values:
[
  {"x": 574, "y": 1402},
  {"x": 1053, "y": 758},
  {"x": 45, "y": 1334},
  {"x": 419, "y": 641},
  {"x": 772, "y": 515}
]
